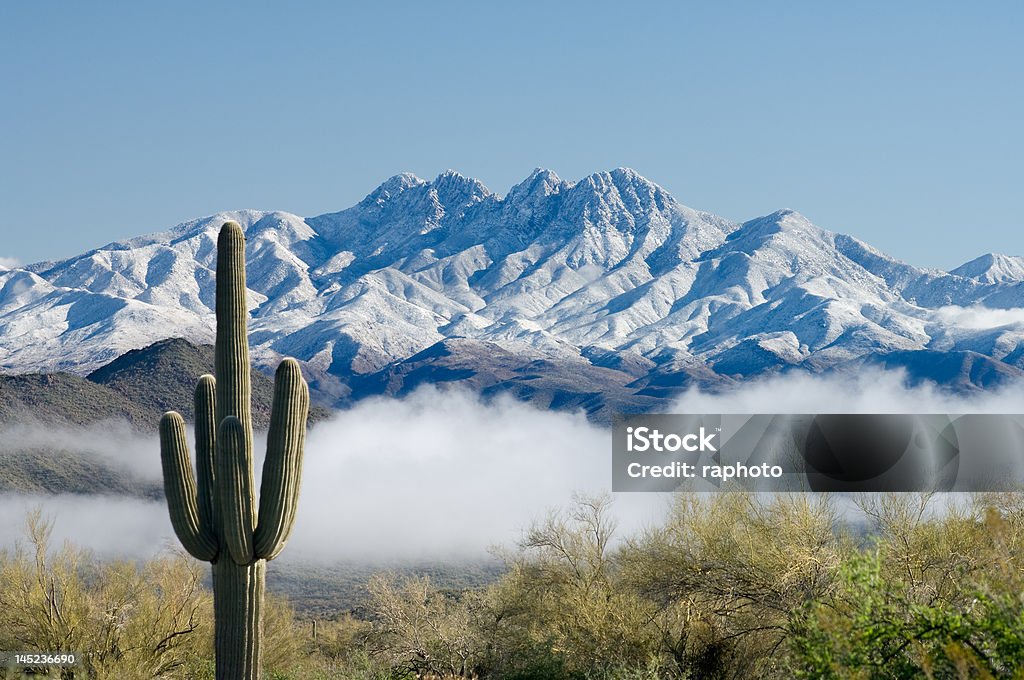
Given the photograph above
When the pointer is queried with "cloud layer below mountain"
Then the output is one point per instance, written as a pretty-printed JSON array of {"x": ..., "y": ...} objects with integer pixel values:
[
  {"x": 978, "y": 317},
  {"x": 869, "y": 391},
  {"x": 444, "y": 475},
  {"x": 436, "y": 475}
]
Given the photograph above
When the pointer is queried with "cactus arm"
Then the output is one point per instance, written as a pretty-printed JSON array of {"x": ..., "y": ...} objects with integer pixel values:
[
  {"x": 206, "y": 449},
  {"x": 235, "y": 487},
  {"x": 180, "y": 489},
  {"x": 231, "y": 357},
  {"x": 282, "y": 468}
]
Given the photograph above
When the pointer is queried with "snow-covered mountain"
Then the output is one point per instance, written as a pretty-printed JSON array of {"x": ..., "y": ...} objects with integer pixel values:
[{"x": 608, "y": 272}]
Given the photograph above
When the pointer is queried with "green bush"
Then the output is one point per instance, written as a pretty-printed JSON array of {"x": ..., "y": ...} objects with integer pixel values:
[{"x": 937, "y": 597}]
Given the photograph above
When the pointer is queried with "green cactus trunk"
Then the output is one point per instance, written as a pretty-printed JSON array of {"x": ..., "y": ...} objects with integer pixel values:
[
  {"x": 214, "y": 513},
  {"x": 238, "y": 629}
]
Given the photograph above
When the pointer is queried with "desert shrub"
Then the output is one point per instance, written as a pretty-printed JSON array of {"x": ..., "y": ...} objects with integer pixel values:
[
  {"x": 131, "y": 619},
  {"x": 419, "y": 630},
  {"x": 562, "y": 609},
  {"x": 559, "y": 611},
  {"x": 725, "y": 571},
  {"x": 128, "y": 619},
  {"x": 729, "y": 585}
]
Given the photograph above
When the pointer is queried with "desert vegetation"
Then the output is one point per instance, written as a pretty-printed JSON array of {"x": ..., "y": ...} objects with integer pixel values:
[{"x": 729, "y": 585}]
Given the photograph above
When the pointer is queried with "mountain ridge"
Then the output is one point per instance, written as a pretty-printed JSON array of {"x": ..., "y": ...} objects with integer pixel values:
[{"x": 554, "y": 270}]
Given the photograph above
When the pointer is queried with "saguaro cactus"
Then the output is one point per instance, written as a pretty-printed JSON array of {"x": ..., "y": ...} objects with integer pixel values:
[{"x": 214, "y": 513}]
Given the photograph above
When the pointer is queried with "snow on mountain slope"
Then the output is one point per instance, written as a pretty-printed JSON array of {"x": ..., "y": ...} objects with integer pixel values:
[
  {"x": 564, "y": 270},
  {"x": 993, "y": 268}
]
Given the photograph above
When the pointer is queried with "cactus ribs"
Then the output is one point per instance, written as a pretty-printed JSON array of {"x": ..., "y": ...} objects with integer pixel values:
[{"x": 214, "y": 512}]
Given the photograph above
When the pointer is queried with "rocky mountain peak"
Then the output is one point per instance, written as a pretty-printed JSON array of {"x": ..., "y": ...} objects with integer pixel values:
[{"x": 553, "y": 269}]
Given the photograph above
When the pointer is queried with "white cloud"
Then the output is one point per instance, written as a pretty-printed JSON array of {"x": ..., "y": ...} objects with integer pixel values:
[
  {"x": 978, "y": 317},
  {"x": 113, "y": 442},
  {"x": 435, "y": 475},
  {"x": 444, "y": 475},
  {"x": 110, "y": 526},
  {"x": 9, "y": 263},
  {"x": 871, "y": 391}
]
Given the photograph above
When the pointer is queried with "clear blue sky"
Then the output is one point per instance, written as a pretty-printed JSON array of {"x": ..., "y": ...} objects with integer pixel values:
[{"x": 901, "y": 123}]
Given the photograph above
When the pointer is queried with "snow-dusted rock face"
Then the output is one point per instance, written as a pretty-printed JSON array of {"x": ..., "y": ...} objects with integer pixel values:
[{"x": 569, "y": 271}]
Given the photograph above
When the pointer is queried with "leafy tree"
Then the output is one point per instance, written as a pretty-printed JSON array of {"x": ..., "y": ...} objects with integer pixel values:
[{"x": 935, "y": 596}]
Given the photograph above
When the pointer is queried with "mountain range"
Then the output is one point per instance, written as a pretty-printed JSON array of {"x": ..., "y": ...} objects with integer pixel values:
[{"x": 602, "y": 294}]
